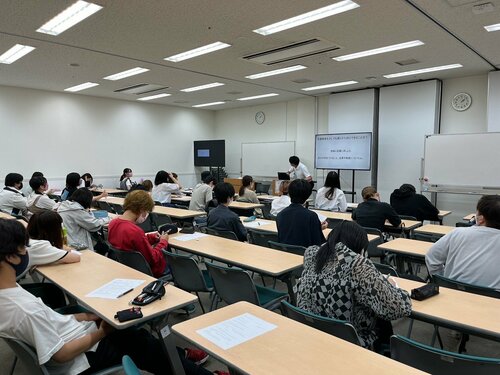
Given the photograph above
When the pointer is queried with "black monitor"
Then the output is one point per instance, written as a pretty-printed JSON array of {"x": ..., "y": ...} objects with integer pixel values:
[
  {"x": 210, "y": 153},
  {"x": 283, "y": 176}
]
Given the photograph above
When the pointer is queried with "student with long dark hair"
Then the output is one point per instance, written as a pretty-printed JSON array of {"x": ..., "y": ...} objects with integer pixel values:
[
  {"x": 73, "y": 180},
  {"x": 247, "y": 193},
  {"x": 165, "y": 185},
  {"x": 339, "y": 282},
  {"x": 88, "y": 181},
  {"x": 38, "y": 201},
  {"x": 330, "y": 197},
  {"x": 126, "y": 182}
]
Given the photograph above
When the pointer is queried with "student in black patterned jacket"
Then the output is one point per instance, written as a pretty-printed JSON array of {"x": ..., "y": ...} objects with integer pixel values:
[{"x": 339, "y": 282}]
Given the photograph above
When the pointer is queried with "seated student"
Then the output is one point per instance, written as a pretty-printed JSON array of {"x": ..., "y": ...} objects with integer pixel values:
[
  {"x": 279, "y": 204},
  {"x": 70, "y": 344},
  {"x": 247, "y": 193},
  {"x": 202, "y": 194},
  {"x": 12, "y": 200},
  {"x": 125, "y": 180},
  {"x": 46, "y": 240},
  {"x": 77, "y": 219},
  {"x": 204, "y": 175},
  {"x": 72, "y": 182},
  {"x": 298, "y": 170},
  {"x": 88, "y": 181},
  {"x": 372, "y": 213},
  {"x": 148, "y": 185},
  {"x": 296, "y": 224},
  {"x": 28, "y": 190},
  {"x": 165, "y": 185},
  {"x": 339, "y": 282},
  {"x": 406, "y": 201},
  {"x": 124, "y": 234},
  {"x": 471, "y": 254},
  {"x": 330, "y": 197},
  {"x": 221, "y": 218},
  {"x": 38, "y": 201}
]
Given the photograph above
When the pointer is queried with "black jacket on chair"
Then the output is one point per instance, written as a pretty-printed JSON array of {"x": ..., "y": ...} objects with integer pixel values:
[{"x": 409, "y": 203}]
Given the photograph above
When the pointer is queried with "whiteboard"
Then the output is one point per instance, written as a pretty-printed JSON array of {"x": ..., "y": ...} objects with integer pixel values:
[
  {"x": 343, "y": 151},
  {"x": 266, "y": 159},
  {"x": 463, "y": 159}
]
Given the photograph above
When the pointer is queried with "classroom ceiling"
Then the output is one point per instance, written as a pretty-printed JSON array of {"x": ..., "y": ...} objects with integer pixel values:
[{"x": 138, "y": 33}]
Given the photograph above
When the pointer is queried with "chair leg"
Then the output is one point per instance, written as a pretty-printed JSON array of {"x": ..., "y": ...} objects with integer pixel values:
[
  {"x": 263, "y": 281},
  {"x": 212, "y": 305},
  {"x": 199, "y": 301},
  {"x": 14, "y": 363},
  {"x": 410, "y": 327}
]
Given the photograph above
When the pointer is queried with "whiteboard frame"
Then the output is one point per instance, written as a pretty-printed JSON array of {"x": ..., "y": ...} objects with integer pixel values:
[{"x": 341, "y": 169}]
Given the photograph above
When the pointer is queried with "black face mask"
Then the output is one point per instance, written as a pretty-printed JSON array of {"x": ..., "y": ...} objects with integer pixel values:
[
  {"x": 21, "y": 187},
  {"x": 21, "y": 267},
  {"x": 87, "y": 183}
]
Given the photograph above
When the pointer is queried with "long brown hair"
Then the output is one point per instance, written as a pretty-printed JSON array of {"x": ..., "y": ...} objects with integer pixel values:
[
  {"x": 246, "y": 181},
  {"x": 46, "y": 225}
]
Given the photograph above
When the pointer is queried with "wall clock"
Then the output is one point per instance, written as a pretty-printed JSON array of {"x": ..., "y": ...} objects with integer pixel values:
[
  {"x": 260, "y": 117},
  {"x": 461, "y": 102}
]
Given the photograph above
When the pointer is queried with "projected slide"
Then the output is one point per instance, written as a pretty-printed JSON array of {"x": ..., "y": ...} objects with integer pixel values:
[{"x": 343, "y": 151}]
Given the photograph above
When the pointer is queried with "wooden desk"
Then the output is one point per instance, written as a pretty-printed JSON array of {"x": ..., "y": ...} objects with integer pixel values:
[
  {"x": 251, "y": 257},
  {"x": 110, "y": 191},
  {"x": 291, "y": 348},
  {"x": 466, "y": 312},
  {"x": 435, "y": 229},
  {"x": 177, "y": 213},
  {"x": 266, "y": 197},
  {"x": 93, "y": 271},
  {"x": 442, "y": 214},
  {"x": 5, "y": 215},
  {"x": 181, "y": 198},
  {"x": 406, "y": 246},
  {"x": 469, "y": 217},
  {"x": 352, "y": 206},
  {"x": 244, "y": 205}
]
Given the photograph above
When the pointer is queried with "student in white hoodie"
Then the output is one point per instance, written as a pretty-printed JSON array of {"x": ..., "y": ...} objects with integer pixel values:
[
  {"x": 78, "y": 220},
  {"x": 12, "y": 200},
  {"x": 38, "y": 201}
]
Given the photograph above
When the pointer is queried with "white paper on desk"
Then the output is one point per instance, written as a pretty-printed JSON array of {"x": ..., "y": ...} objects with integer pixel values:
[
  {"x": 189, "y": 237},
  {"x": 235, "y": 331},
  {"x": 115, "y": 288},
  {"x": 255, "y": 224}
]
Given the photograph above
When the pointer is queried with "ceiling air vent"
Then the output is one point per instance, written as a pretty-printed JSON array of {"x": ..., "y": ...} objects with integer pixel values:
[
  {"x": 142, "y": 88},
  {"x": 407, "y": 62},
  {"x": 292, "y": 51}
]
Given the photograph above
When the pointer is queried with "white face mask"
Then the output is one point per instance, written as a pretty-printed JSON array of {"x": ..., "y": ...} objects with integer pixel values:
[{"x": 142, "y": 218}]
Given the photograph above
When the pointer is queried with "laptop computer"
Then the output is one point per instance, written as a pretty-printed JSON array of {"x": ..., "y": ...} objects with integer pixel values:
[{"x": 283, "y": 176}]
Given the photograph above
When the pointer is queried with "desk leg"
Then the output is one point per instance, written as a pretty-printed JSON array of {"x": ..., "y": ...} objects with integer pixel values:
[{"x": 167, "y": 339}]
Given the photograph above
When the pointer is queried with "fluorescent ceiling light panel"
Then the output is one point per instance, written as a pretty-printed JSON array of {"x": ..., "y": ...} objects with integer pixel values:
[
  {"x": 83, "y": 86},
  {"x": 491, "y": 28},
  {"x": 330, "y": 10},
  {"x": 126, "y": 73},
  {"x": 376, "y": 51},
  {"x": 277, "y": 71},
  {"x": 146, "y": 98},
  {"x": 203, "y": 87},
  {"x": 15, "y": 53},
  {"x": 422, "y": 71},
  {"x": 198, "y": 51},
  {"x": 69, "y": 17},
  {"x": 207, "y": 104},
  {"x": 258, "y": 96},
  {"x": 330, "y": 85}
]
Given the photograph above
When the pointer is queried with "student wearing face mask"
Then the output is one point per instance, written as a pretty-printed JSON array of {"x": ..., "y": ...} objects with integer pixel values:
[
  {"x": 88, "y": 180},
  {"x": 12, "y": 200},
  {"x": 124, "y": 234}
]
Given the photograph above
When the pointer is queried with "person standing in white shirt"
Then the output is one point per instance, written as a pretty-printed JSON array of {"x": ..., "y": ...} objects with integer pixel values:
[
  {"x": 298, "y": 170},
  {"x": 12, "y": 200},
  {"x": 330, "y": 197}
]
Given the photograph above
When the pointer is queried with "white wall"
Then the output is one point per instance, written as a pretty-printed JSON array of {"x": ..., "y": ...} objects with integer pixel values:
[
  {"x": 494, "y": 101},
  {"x": 58, "y": 133}
]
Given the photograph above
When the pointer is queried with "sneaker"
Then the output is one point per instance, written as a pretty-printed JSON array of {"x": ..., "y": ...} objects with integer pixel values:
[{"x": 197, "y": 356}]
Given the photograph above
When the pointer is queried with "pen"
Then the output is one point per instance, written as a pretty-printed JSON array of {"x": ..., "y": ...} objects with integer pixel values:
[{"x": 128, "y": 291}]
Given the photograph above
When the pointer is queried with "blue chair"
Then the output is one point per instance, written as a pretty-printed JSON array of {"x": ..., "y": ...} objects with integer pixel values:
[
  {"x": 438, "y": 361},
  {"x": 129, "y": 366}
]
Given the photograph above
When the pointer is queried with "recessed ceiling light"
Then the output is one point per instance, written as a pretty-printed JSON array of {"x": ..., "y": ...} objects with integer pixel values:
[
  {"x": 277, "y": 71},
  {"x": 81, "y": 87},
  {"x": 146, "y": 98},
  {"x": 422, "y": 71},
  {"x": 126, "y": 73},
  {"x": 198, "y": 51},
  {"x": 207, "y": 104},
  {"x": 69, "y": 17},
  {"x": 491, "y": 28},
  {"x": 203, "y": 87},
  {"x": 330, "y": 10},
  {"x": 258, "y": 96},
  {"x": 15, "y": 53},
  {"x": 377, "y": 51},
  {"x": 330, "y": 85}
]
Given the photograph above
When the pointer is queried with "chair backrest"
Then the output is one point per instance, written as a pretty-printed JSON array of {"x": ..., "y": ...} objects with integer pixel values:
[
  {"x": 266, "y": 211},
  {"x": 129, "y": 366},
  {"x": 186, "y": 273},
  {"x": 386, "y": 269},
  {"x": 373, "y": 250},
  {"x": 407, "y": 217},
  {"x": 103, "y": 205},
  {"x": 463, "y": 224},
  {"x": 149, "y": 225},
  {"x": 28, "y": 357},
  {"x": 160, "y": 219},
  {"x": 332, "y": 223},
  {"x": 118, "y": 208},
  {"x": 132, "y": 259},
  {"x": 294, "y": 249},
  {"x": 221, "y": 233},
  {"x": 261, "y": 238},
  {"x": 465, "y": 287},
  {"x": 233, "y": 284},
  {"x": 426, "y": 237},
  {"x": 442, "y": 362},
  {"x": 335, "y": 327}
]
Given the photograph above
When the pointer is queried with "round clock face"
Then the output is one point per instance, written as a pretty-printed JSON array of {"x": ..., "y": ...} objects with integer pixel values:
[
  {"x": 260, "y": 117},
  {"x": 461, "y": 101}
]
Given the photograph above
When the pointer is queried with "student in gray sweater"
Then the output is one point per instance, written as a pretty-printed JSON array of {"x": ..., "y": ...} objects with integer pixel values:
[{"x": 471, "y": 255}]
